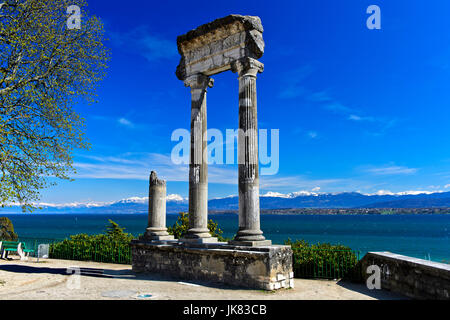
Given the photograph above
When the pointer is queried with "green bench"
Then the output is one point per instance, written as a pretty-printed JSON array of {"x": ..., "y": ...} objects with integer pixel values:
[{"x": 15, "y": 246}]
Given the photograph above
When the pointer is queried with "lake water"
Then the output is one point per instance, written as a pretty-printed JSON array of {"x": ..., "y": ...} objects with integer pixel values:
[{"x": 421, "y": 236}]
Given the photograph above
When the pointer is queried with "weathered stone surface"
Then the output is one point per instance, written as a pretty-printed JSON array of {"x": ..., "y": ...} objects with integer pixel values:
[
  {"x": 212, "y": 47},
  {"x": 156, "y": 227},
  {"x": 250, "y": 243},
  {"x": 252, "y": 267},
  {"x": 249, "y": 232},
  {"x": 415, "y": 278},
  {"x": 198, "y": 165}
]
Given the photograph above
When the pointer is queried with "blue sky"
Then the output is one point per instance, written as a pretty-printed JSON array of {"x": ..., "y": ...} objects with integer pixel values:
[{"x": 357, "y": 109}]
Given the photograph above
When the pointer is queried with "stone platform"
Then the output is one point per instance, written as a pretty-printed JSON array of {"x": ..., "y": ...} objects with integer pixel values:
[{"x": 261, "y": 267}]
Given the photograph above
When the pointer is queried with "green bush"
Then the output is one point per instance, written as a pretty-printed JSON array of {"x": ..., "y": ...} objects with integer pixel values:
[
  {"x": 113, "y": 246},
  {"x": 181, "y": 226},
  {"x": 7, "y": 230},
  {"x": 322, "y": 260}
]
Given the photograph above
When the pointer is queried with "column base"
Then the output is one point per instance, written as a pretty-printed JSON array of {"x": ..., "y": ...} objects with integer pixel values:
[
  {"x": 249, "y": 235},
  {"x": 198, "y": 240},
  {"x": 153, "y": 233},
  {"x": 197, "y": 233},
  {"x": 157, "y": 238},
  {"x": 249, "y": 243}
]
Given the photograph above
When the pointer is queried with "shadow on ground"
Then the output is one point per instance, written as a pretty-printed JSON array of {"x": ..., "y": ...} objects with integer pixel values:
[
  {"x": 111, "y": 273},
  {"x": 129, "y": 274},
  {"x": 92, "y": 272},
  {"x": 374, "y": 293}
]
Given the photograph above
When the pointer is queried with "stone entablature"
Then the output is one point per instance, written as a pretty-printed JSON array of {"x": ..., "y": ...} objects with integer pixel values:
[{"x": 212, "y": 47}]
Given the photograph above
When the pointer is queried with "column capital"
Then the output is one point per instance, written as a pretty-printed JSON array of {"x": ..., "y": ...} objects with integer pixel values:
[
  {"x": 247, "y": 66},
  {"x": 198, "y": 81}
]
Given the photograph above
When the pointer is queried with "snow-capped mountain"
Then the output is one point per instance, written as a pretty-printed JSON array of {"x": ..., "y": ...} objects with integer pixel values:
[{"x": 269, "y": 200}]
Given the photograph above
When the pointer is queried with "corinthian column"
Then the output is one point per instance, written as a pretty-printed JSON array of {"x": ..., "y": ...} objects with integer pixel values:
[
  {"x": 198, "y": 166},
  {"x": 249, "y": 232}
]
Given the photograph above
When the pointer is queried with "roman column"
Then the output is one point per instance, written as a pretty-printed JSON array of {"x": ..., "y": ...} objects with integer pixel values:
[
  {"x": 156, "y": 229},
  {"x": 249, "y": 232},
  {"x": 198, "y": 166}
]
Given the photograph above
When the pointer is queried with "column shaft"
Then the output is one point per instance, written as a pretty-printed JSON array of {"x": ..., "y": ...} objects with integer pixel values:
[
  {"x": 156, "y": 229},
  {"x": 249, "y": 212},
  {"x": 198, "y": 166}
]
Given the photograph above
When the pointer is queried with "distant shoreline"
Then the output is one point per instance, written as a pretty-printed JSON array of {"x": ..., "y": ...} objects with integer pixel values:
[
  {"x": 286, "y": 211},
  {"x": 343, "y": 211}
]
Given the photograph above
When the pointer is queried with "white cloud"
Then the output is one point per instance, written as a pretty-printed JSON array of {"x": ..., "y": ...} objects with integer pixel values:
[
  {"x": 392, "y": 170},
  {"x": 152, "y": 46},
  {"x": 169, "y": 197},
  {"x": 137, "y": 166},
  {"x": 294, "y": 182},
  {"x": 312, "y": 134},
  {"x": 354, "y": 117},
  {"x": 447, "y": 186},
  {"x": 292, "y": 84},
  {"x": 338, "y": 107},
  {"x": 125, "y": 122}
]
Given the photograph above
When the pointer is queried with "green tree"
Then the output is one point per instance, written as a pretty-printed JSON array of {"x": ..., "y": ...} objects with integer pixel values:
[
  {"x": 7, "y": 230},
  {"x": 181, "y": 226},
  {"x": 45, "y": 69},
  {"x": 115, "y": 232}
]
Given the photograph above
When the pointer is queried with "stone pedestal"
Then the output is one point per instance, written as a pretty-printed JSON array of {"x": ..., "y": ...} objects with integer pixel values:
[
  {"x": 156, "y": 229},
  {"x": 261, "y": 267}
]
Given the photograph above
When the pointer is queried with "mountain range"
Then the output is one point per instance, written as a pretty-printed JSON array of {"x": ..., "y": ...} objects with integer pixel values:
[{"x": 271, "y": 200}]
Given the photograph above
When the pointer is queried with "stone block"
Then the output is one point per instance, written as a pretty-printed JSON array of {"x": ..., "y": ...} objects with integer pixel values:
[
  {"x": 412, "y": 277},
  {"x": 251, "y": 243},
  {"x": 250, "y": 267},
  {"x": 280, "y": 277},
  {"x": 269, "y": 286},
  {"x": 189, "y": 241},
  {"x": 212, "y": 47}
]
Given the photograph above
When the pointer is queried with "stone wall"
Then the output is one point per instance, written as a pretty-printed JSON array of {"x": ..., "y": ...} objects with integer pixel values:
[
  {"x": 415, "y": 278},
  {"x": 265, "y": 267}
]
